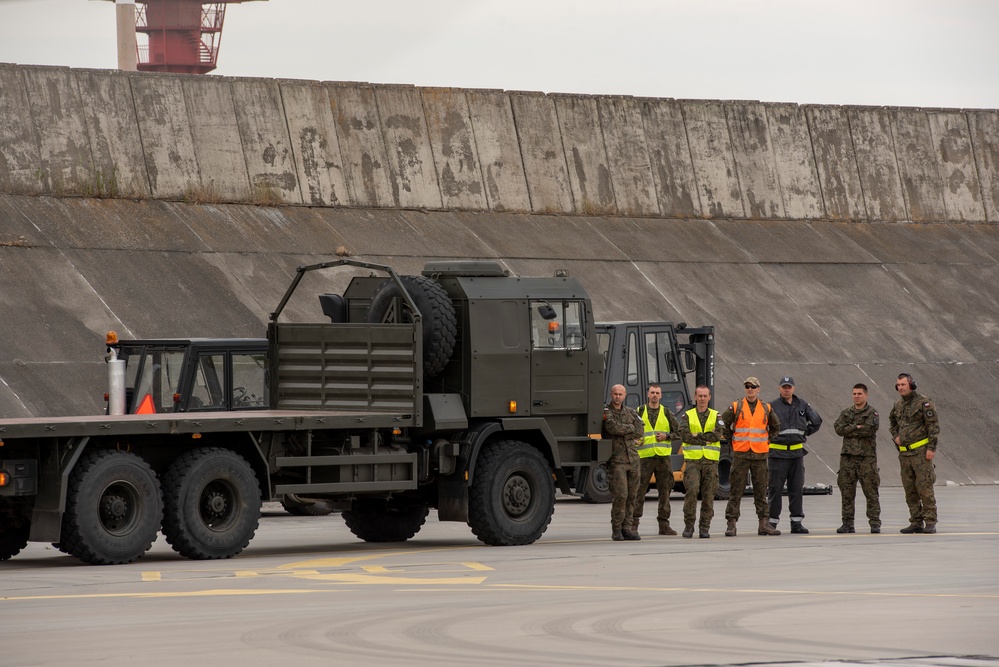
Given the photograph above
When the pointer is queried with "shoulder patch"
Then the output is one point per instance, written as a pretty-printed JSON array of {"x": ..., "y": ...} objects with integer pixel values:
[
  {"x": 926, "y": 404},
  {"x": 876, "y": 414},
  {"x": 929, "y": 413}
]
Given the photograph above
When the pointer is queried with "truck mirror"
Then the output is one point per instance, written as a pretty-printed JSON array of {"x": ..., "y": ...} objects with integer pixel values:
[{"x": 547, "y": 312}]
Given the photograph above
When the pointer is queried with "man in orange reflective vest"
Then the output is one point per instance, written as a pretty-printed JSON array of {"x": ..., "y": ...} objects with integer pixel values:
[
  {"x": 655, "y": 450},
  {"x": 750, "y": 425}
]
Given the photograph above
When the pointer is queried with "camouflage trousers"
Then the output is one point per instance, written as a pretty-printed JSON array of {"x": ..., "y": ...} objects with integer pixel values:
[
  {"x": 661, "y": 468},
  {"x": 854, "y": 468},
  {"x": 700, "y": 477},
  {"x": 622, "y": 478},
  {"x": 918, "y": 476},
  {"x": 745, "y": 464}
]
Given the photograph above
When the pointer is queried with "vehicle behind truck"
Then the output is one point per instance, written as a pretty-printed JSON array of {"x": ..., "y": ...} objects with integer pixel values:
[{"x": 463, "y": 389}]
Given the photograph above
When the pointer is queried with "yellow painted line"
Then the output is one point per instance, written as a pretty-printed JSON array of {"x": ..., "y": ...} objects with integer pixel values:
[
  {"x": 152, "y": 576},
  {"x": 358, "y": 578},
  {"x": 377, "y": 569},
  {"x": 180, "y": 594},
  {"x": 478, "y": 566}
]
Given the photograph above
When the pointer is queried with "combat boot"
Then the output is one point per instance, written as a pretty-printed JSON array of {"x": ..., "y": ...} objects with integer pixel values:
[
  {"x": 616, "y": 535},
  {"x": 766, "y": 528},
  {"x": 730, "y": 529},
  {"x": 688, "y": 530},
  {"x": 848, "y": 528},
  {"x": 912, "y": 528},
  {"x": 798, "y": 529},
  {"x": 630, "y": 535},
  {"x": 704, "y": 533},
  {"x": 875, "y": 528},
  {"x": 664, "y": 529},
  {"x": 930, "y": 528}
]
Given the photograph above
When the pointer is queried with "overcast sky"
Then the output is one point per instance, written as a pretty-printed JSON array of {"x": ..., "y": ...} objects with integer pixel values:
[{"x": 932, "y": 53}]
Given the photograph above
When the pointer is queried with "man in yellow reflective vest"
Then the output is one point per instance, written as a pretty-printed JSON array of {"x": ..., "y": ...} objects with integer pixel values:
[
  {"x": 750, "y": 425},
  {"x": 655, "y": 449},
  {"x": 700, "y": 432}
]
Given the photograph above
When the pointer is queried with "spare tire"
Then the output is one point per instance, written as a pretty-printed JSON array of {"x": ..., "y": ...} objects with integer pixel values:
[{"x": 440, "y": 324}]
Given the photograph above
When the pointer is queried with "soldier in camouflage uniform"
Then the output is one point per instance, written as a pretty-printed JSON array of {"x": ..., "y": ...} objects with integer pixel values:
[
  {"x": 623, "y": 425},
  {"x": 915, "y": 429},
  {"x": 700, "y": 432},
  {"x": 858, "y": 459}
]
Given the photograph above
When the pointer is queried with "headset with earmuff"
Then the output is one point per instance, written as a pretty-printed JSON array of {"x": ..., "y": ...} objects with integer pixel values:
[{"x": 912, "y": 381}]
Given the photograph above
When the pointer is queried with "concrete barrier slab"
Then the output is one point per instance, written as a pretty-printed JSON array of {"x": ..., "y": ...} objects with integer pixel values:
[
  {"x": 166, "y": 135},
  {"x": 870, "y": 129},
  {"x": 711, "y": 154},
  {"x": 16, "y": 227},
  {"x": 57, "y": 389},
  {"x": 984, "y": 126},
  {"x": 407, "y": 144},
  {"x": 267, "y": 148},
  {"x": 362, "y": 145},
  {"x": 491, "y": 115},
  {"x": 12, "y": 406},
  {"x": 315, "y": 145},
  {"x": 586, "y": 156},
  {"x": 217, "y": 144},
  {"x": 791, "y": 241},
  {"x": 544, "y": 236},
  {"x": 917, "y": 244},
  {"x": 19, "y": 158},
  {"x": 836, "y": 162},
  {"x": 656, "y": 240},
  {"x": 283, "y": 229},
  {"x": 917, "y": 164},
  {"x": 754, "y": 160},
  {"x": 67, "y": 164},
  {"x": 628, "y": 156},
  {"x": 113, "y": 131},
  {"x": 962, "y": 191},
  {"x": 669, "y": 155},
  {"x": 544, "y": 157},
  {"x": 454, "y": 150},
  {"x": 391, "y": 232},
  {"x": 795, "y": 162}
]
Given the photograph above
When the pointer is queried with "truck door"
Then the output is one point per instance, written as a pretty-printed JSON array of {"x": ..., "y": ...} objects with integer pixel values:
[
  {"x": 662, "y": 365},
  {"x": 559, "y": 367}
]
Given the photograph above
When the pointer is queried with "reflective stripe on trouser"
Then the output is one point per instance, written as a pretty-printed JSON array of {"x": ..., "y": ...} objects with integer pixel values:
[
  {"x": 699, "y": 477},
  {"x": 786, "y": 448},
  {"x": 744, "y": 465},
  {"x": 854, "y": 468},
  {"x": 660, "y": 466},
  {"x": 791, "y": 471},
  {"x": 918, "y": 477},
  {"x": 622, "y": 478}
]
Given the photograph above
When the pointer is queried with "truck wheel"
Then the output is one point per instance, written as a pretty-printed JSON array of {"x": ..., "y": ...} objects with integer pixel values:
[
  {"x": 305, "y": 506},
  {"x": 597, "y": 488},
  {"x": 724, "y": 485},
  {"x": 384, "y": 522},
  {"x": 440, "y": 324},
  {"x": 512, "y": 497},
  {"x": 211, "y": 504},
  {"x": 14, "y": 530},
  {"x": 113, "y": 508}
]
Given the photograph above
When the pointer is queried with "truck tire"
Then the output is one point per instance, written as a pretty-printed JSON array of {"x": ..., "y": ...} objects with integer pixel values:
[
  {"x": 512, "y": 497},
  {"x": 113, "y": 508},
  {"x": 440, "y": 324},
  {"x": 724, "y": 485},
  {"x": 211, "y": 504},
  {"x": 305, "y": 506},
  {"x": 14, "y": 530},
  {"x": 597, "y": 488},
  {"x": 378, "y": 521}
]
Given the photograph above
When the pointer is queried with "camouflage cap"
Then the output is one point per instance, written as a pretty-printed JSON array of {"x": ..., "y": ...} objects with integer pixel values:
[{"x": 755, "y": 381}]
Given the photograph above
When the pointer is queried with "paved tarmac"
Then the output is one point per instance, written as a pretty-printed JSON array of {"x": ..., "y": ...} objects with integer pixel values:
[{"x": 306, "y": 592}]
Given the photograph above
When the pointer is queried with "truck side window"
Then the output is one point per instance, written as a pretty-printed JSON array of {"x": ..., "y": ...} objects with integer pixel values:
[
  {"x": 659, "y": 347},
  {"x": 631, "y": 377},
  {"x": 208, "y": 392},
  {"x": 248, "y": 382},
  {"x": 564, "y": 331}
]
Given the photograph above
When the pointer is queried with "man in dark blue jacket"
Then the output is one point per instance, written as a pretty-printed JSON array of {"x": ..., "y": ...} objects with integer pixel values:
[{"x": 787, "y": 454}]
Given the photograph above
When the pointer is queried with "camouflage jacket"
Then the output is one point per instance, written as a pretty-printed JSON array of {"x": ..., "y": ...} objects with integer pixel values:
[
  {"x": 705, "y": 438},
  {"x": 625, "y": 428},
  {"x": 859, "y": 429},
  {"x": 914, "y": 418}
]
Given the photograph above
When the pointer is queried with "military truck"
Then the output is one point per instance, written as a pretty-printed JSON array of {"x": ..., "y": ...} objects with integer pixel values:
[
  {"x": 678, "y": 358},
  {"x": 463, "y": 389}
]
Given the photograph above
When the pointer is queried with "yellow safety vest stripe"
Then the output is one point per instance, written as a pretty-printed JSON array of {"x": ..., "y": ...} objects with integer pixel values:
[
  {"x": 786, "y": 447},
  {"x": 650, "y": 446},
  {"x": 915, "y": 445},
  {"x": 695, "y": 451}
]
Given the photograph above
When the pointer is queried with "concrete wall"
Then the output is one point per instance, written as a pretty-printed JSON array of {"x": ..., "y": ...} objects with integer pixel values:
[
  {"x": 216, "y": 139},
  {"x": 794, "y": 230}
]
